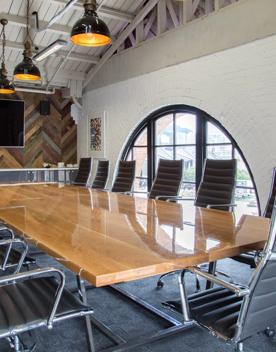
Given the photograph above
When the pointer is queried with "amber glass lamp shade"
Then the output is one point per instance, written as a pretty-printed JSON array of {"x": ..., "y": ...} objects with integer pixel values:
[
  {"x": 6, "y": 87},
  {"x": 90, "y": 30},
  {"x": 27, "y": 71}
]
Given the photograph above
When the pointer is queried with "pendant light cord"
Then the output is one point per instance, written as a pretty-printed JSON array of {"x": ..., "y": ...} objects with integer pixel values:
[
  {"x": 28, "y": 36},
  {"x": 3, "y": 36},
  {"x": 28, "y": 11}
]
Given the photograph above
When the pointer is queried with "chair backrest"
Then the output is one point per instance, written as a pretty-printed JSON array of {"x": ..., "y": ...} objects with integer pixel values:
[
  {"x": 218, "y": 183},
  {"x": 125, "y": 177},
  {"x": 271, "y": 199},
  {"x": 258, "y": 309},
  {"x": 168, "y": 179},
  {"x": 101, "y": 175},
  {"x": 83, "y": 172}
]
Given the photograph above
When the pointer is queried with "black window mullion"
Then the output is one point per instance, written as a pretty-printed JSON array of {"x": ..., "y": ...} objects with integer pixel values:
[
  {"x": 174, "y": 135},
  {"x": 217, "y": 144},
  {"x": 151, "y": 152},
  {"x": 200, "y": 147},
  {"x": 174, "y": 145}
]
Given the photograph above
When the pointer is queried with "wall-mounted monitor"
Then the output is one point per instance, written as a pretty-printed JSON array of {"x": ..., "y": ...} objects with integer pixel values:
[{"x": 12, "y": 123}]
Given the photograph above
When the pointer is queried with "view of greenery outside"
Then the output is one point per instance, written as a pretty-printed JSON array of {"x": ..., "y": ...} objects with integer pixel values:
[
  {"x": 189, "y": 174},
  {"x": 243, "y": 175}
]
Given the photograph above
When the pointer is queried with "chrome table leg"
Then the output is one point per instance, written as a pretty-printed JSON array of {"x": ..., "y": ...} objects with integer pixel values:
[
  {"x": 173, "y": 326},
  {"x": 83, "y": 297}
]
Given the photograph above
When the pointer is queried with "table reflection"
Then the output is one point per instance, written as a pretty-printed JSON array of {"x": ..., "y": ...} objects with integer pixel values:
[{"x": 162, "y": 227}]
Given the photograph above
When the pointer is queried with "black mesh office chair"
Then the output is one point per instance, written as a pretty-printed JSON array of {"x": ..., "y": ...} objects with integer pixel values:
[
  {"x": 83, "y": 172},
  {"x": 235, "y": 312},
  {"x": 250, "y": 257},
  {"x": 125, "y": 177},
  {"x": 217, "y": 186},
  {"x": 168, "y": 179},
  {"x": 216, "y": 190},
  {"x": 101, "y": 175},
  {"x": 35, "y": 299}
]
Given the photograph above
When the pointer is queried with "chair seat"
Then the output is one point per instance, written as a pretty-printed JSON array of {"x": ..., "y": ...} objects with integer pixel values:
[
  {"x": 246, "y": 258},
  {"x": 27, "y": 304},
  {"x": 216, "y": 308},
  {"x": 14, "y": 257}
]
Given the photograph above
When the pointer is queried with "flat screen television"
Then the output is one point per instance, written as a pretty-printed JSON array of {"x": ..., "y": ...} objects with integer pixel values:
[{"x": 11, "y": 123}]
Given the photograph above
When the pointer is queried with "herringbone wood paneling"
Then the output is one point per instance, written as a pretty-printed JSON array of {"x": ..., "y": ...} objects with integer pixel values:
[{"x": 48, "y": 139}]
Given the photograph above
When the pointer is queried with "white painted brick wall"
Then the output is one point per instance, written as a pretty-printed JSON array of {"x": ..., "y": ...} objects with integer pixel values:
[{"x": 237, "y": 87}]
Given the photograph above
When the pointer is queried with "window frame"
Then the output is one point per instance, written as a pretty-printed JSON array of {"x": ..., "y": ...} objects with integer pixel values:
[{"x": 200, "y": 142}]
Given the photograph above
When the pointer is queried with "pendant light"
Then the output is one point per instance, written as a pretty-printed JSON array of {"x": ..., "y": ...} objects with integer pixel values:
[
  {"x": 6, "y": 87},
  {"x": 90, "y": 30},
  {"x": 27, "y": 70}
]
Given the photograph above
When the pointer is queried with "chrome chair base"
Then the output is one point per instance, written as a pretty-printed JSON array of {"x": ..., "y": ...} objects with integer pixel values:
[
  {"x": 17, "y": 345},
  {"x": 269, "y": 332},
  {"x": 239, "y": 347}
]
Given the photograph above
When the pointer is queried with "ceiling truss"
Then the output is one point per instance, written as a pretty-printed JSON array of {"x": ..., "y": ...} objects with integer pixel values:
[
  {"x": 104, "y": 11},
  {"x": 152, "y": 19}
]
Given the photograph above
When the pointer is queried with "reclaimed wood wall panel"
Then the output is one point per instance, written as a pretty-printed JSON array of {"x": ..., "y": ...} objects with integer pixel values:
[{"x": 48, "y": 139}]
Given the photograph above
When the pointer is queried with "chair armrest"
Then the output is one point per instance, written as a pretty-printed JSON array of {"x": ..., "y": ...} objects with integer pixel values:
[
  {"x": 5, "y": 228},
  {"x": 10, "y": 243},
  {"x": 239, "y": 290},
  {"x": 163, "y": 197},
  {"x": 131, "y": 193},
  {"x": 37, "y": 273},
  {"x": 172, "y": 199},
  {"x": 210, "y": 206}
]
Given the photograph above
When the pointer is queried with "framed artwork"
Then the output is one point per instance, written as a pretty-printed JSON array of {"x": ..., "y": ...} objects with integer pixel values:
[{"x": 96, "y": 135}]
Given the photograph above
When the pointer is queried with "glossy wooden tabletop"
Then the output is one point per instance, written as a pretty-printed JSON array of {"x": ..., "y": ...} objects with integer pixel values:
[{"x": 111, "y": 238}]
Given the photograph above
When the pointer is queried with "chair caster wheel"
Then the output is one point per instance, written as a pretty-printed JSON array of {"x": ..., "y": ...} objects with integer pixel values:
[
  {"x": 269, "y": 332},
  {"x": 160, "y": 284}
]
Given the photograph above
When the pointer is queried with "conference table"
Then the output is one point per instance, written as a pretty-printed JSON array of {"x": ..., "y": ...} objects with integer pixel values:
[{"x": 108, "y": 238}]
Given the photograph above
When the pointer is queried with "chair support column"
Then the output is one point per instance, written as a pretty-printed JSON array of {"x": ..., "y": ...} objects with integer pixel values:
[
  {"x": 211, "y": 270},
  {"x": 183, "y": 297},
  {"x": 83, "y": 297},
  {"x": 240, "y": 347}
]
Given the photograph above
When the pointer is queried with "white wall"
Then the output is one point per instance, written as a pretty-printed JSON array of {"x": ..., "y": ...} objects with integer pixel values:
[
  {"x": 242, "y": 22},
  {"x": 236, "y": 86}
]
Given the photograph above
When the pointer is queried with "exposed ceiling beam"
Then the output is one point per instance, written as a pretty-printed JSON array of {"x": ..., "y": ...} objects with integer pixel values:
[
  {"x": 161, "y": 16},
  {"x": 129, "y": 29},
  {"x": 104, "y": 11},
  {"x": 218, "y": 4},
  {"x": 172, "y": 13},
  {"x": 195, "y": 5},
  {"x": 187, "y": 11},
  {"x": 21, "y": 21},
  {"x": 60, "y": 53},
  {"x": 209, "y": 4},
  {"x": 150, "y": 22}
]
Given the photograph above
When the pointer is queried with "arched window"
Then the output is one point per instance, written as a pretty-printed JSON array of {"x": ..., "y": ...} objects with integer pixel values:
[{"x": 184, "y": 132}]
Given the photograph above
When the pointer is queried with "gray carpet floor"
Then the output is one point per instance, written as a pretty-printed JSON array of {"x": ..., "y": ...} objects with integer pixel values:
[{"x": 130, "y": 321}]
